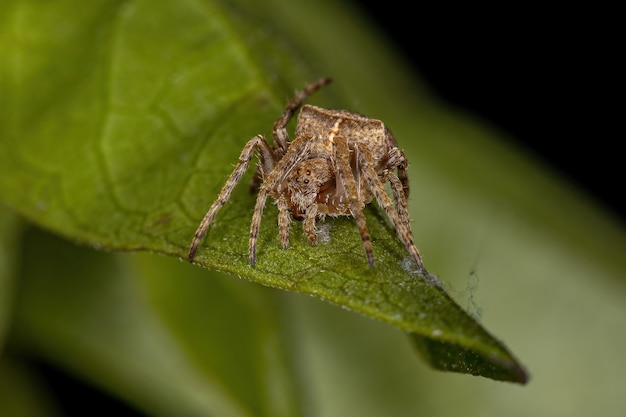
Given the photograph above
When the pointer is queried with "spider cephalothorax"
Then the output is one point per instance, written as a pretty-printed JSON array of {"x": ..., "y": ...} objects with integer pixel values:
[{"x": 338, "y": 162}]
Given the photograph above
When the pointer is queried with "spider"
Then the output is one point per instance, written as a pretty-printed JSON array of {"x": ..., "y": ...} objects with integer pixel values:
[{"x": 338, "y": 162}]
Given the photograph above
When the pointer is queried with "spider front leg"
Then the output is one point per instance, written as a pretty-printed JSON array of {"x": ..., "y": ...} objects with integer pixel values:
[
  {"x": 266, "y": 156},
  {"x": 376, "y": 187},
  {"x": 272, "y": 185},
  {"x": 399, "y": 183},
  {"x": 256, "y": 223},
  {"x": 347, "y": 184},
  {"x": 400, "y": 197},
  {"x": 284, "y": 221},
  {"x": 309, "y": 224},
  {"x": 397, "y": 160}
]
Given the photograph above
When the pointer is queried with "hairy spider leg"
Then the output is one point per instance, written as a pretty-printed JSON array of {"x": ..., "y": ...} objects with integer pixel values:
[
  {"x": 399, "y": 197},
  {"x": 397, "y": 159},
  {"x": 308, "y": 225},
  {"x": 346, "y": 181},
  {"x": 299, "y": 150},
  {"x": 377, "y": 188},
  {"x": 284, "y": 220},
  {"x": 267, "y": 161},
  {"x": 279, "y": 133},
  {"x": 400, "y": 183}
]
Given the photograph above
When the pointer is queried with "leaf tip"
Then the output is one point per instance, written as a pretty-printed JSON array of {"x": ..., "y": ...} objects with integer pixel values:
[{"x": 499, "y": 365}]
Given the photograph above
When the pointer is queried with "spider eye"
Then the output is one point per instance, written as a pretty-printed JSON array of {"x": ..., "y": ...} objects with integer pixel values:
[{"x": 306, "y": 181}]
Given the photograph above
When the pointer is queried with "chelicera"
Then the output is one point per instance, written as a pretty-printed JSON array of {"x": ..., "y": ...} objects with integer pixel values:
[{"x": 338, "y": 162}]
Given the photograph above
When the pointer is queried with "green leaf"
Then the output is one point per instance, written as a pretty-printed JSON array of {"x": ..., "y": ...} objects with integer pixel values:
[
  {"x": 126, "y": 326},
  {"x": 124, "y": 142}
]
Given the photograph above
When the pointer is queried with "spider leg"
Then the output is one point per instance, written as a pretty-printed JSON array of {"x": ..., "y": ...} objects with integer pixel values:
[
  {"x": 284, "y": 220},
  {"x": 402, "y": 225},
  {"x": 396, "y": 160},
  {"x": 400, "y": 183},
  {"x": 404, "y": 180},
  {"x": 399, "y": 161},
  {"x": 267, "y": 160},
  {"x": 256, "y": 223},
  {"x": 279, "y": 133},
  {"x": 273, "y": 184},
  {"x": 400, "y": 197},
  {"x": 346, "y": 183},
  {"x": 309, "y": 223}
]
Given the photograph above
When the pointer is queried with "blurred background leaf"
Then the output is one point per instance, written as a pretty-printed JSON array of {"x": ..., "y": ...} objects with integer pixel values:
[{"x": 547, "y": 263}]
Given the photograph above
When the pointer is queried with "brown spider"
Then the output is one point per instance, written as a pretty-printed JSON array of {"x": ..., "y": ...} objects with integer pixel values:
[{"x": 338, "y": 162}]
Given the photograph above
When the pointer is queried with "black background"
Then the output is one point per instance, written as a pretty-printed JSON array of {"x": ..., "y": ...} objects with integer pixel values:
[{"x": 544, "y": 74}]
